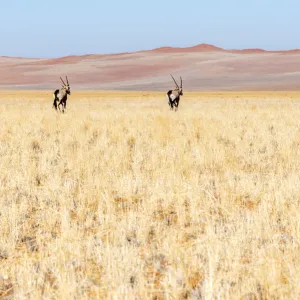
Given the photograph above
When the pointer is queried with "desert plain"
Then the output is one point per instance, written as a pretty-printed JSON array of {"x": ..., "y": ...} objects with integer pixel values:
[{"x": 121, "y": 198}]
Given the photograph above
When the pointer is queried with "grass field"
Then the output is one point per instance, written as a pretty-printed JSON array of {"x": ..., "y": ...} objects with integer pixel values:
[{"x": 121, "y": 198}]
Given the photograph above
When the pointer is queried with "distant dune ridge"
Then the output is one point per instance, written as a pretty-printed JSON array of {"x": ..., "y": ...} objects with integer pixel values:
[{"x": 203, "y": 68}]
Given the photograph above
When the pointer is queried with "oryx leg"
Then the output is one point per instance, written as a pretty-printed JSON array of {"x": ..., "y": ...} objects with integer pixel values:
[
  {"x": 176, "y": 105},
  {"x": 171, "y": 102},
  {"x": 63, "y": 105},
  {"x": 54, "y": 104},
  {"x": 59, "y": 104}
]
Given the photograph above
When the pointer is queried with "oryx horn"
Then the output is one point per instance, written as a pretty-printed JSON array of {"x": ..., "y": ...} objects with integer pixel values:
[
  {"x": 62, "y": 81},
  {"x": 174, "y": 81}
]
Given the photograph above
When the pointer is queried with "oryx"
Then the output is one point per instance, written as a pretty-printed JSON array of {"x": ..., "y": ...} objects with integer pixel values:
[
  {"x": 174, "y": 95},
  {"x": 60, "y": 96}
]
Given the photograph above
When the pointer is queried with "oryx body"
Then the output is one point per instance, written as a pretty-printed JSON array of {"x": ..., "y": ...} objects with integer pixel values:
[
  {"x": 174, "y": 95},
  {"x": 60, "y": 96}
]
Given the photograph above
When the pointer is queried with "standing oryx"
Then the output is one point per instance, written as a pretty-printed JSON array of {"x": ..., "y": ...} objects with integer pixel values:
[
  {"x": 60, "y": 96},
  {"x": 174, "y": 95}
]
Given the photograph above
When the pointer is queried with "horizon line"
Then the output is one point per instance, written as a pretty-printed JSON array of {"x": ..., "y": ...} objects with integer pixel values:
[{"x": 202, "y": 47}]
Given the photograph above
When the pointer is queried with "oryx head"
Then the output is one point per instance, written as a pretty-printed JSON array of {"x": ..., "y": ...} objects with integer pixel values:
[
  {"x": 66, "y": 86},
  {"x": 177, "y": 86}
]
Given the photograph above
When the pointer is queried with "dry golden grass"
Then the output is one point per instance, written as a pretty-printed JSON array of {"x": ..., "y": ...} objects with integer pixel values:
[{"x": 122, "y": 199}]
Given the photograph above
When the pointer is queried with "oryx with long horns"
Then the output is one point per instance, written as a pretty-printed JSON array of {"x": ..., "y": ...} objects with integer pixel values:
[
  {"x": 174, "y": 95},
  {"x": 60, "y": 96}
]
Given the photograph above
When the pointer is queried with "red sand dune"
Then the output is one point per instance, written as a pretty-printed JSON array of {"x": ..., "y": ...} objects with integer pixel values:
[
  {"x": 197, "y": 48},
  {"x": 203, "y": 67},
  {"x": 250, "y": 51}
]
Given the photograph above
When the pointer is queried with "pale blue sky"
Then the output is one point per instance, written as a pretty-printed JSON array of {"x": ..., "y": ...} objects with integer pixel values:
[{"x": 55, "y": 28}]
